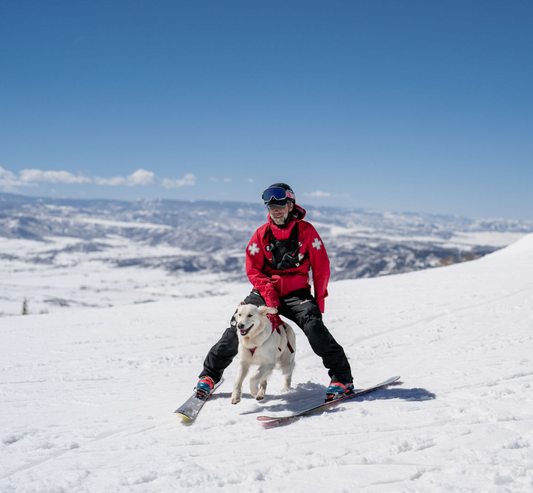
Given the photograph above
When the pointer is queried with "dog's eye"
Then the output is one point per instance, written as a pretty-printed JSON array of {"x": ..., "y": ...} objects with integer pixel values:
[{"x": 249, "y": 315}]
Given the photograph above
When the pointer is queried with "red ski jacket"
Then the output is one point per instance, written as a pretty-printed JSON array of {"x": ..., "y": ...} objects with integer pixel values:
[{"x": 272, "y": 283}]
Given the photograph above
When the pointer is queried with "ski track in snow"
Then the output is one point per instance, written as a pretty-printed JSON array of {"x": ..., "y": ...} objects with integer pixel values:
[{"x": 87, "y": 396}]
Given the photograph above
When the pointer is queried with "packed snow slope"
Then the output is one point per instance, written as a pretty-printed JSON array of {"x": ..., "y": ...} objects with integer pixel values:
[{"x": 87, "y": 397}]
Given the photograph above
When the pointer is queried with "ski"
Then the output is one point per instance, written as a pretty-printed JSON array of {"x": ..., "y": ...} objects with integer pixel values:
[
  {"x": 193, "y": 405},
  {"x": 325, "y": 405}
]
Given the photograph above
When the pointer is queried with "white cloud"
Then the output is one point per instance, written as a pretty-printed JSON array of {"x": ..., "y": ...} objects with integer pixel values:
[
  {"x": 37, "y": 175},
  {"x": 111, "y": 182},
  {"x": 6, "y": 175},
  {"x": 187, "y": 181},
  {"x": 318, "y": 193},
  {"x": 8, "y": 180},
  {"x": 141, "y": 177}
]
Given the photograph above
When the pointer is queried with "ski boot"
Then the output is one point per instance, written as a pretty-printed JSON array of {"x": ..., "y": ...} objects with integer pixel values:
[
  {"x": 338, "y": 389},
  {"x": 204, "y": 387}
]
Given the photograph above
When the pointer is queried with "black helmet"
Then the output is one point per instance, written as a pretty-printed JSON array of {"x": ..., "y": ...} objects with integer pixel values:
[{"x": 278, "y": 193}]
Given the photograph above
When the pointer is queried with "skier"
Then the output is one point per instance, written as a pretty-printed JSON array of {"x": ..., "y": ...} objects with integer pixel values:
[{"x": 278, "y": 260}]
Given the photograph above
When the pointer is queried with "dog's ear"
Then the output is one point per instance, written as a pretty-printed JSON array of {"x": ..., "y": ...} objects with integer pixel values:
[
  {"x": 242, "y": 303},
  {"x": 264, "y": 310}
]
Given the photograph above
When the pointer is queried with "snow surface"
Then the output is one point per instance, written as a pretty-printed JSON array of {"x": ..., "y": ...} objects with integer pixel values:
[
  {"x": 87, "y": 396},
  {"x": 77, "y": 279}
]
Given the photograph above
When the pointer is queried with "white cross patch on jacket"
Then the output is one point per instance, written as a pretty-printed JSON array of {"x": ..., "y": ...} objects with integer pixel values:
[
  {"x": 253, "y": 249},
  {"x": 316, "y": 244}
]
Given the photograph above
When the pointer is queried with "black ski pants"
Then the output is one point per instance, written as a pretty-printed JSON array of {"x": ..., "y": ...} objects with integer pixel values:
[{"x": 301, "y": 308}]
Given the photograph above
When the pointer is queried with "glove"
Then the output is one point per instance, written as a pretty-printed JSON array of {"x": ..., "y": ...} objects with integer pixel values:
[{"x": 275, "y": 321}]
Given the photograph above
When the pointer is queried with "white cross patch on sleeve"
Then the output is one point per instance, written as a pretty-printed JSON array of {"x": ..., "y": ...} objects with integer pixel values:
[
  {"x": 316, "y": 244},
  {"x": 253, "y": 249}
]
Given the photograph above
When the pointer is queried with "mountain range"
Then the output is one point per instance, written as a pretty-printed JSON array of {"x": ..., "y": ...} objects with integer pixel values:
[
  {"x": 212, "y": 236},
  {"x": 45, "y": 237}
]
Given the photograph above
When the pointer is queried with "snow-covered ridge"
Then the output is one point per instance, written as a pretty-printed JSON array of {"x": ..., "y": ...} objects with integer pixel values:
[{"x": 71, "y": 253}]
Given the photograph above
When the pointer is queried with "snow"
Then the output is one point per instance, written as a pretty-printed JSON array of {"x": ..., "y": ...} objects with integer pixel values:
[
  {"x": 493, "y": 238},
  {"x": 124, "y": 224},
  {"x": 76, "y": 278},
  {"x": 458, "y": 239},
  {"x": 87, "y": 395}
]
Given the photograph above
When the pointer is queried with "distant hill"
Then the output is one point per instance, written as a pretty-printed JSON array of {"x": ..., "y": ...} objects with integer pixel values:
[{"x": 212, "y": 236}]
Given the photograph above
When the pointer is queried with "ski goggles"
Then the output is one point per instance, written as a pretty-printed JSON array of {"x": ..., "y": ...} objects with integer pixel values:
[{"x": 278, "y": 194}]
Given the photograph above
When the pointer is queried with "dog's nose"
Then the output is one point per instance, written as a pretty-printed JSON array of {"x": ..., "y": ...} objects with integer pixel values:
[{"x": 240, "y": 326}]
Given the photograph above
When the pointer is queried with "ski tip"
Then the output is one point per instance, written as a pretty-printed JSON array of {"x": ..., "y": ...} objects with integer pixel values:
[
  {"x": 181, "y": 415},
  {"x": 185, "y": 420},
  {"x": 272, "y": 420},
  {"x": 390, "y": 381}
]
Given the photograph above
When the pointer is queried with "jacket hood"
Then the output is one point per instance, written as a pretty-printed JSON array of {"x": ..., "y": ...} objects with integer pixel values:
[{"x": 298, "y": 213}]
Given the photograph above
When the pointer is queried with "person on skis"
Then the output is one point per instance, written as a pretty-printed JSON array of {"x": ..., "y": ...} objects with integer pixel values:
[{"x": 278, "y": 260}]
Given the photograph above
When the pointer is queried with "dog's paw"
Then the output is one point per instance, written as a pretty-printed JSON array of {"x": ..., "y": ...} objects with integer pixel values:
[
  {"x": 235, "y": 398},
  {"x": 260, "y": 395}
]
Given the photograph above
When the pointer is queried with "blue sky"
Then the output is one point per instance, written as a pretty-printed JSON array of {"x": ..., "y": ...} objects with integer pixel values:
[{"x": 421, "y": 106}]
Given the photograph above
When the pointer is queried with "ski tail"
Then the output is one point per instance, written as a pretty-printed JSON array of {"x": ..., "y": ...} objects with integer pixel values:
[{"x": 190, "y": 409}]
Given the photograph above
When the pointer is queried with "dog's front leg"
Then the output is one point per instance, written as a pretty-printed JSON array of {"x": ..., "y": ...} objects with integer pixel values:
[
  {"x": 242, "y": 371},
  {"x": 262, "y": 390},
  {"x": 258, "y": 382}
]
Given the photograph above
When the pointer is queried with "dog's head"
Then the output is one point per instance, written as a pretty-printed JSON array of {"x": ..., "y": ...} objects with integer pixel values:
[{"x": 252, "y": 319}]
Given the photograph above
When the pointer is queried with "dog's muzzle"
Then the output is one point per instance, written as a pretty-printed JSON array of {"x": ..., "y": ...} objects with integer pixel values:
[{"x": 244, "y": 331}]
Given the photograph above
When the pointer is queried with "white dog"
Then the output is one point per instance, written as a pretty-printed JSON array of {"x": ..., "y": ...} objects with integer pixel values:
[{"x": 263, "y": 345}]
